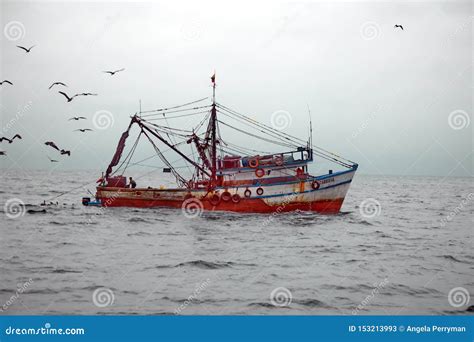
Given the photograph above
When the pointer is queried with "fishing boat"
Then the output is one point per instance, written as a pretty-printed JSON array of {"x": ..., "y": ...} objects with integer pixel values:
[{"x": 226, "y": 177}]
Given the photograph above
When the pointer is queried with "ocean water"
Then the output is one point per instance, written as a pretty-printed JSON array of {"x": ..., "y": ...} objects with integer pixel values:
[{"x": 401, "y": 245}]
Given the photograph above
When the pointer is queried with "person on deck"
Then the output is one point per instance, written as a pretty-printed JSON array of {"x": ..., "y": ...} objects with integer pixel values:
[{"x": 132, "y": 184}]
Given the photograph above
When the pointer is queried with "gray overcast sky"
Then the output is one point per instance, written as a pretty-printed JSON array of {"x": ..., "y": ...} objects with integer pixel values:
[{"x": 397, "y": 102}]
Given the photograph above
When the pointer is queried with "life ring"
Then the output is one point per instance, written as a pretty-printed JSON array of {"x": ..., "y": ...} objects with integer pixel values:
[
  {"x": 253, "y": 163},
  {"x": 215, "y": 199},
  {"x": 235, "y": 198},
  {"x": 259, "y": 173},
  {"x": 226, "y": 196},
  {"x": 279, "y": 160},
  {"x": 315, "y": 185},
  {"x": 247, "y": 193},
  {"x": 259, "y": 191}
]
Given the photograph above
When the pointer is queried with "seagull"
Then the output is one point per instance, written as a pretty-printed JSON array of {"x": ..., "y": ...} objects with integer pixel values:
[
  {"x": 6, "y": 81},
  {"x": 3, "y": 153},
  {"x": 86, "y": 94},
  {"x": 114, "y": 72},
  {"x": 69, "y": 99},
  {"x": 57, "y": 83},
  {"x": 77, "y": 118},
  {"x": 10, "y": 140},
  {"x": 83, "y": 129},
  {"x": 52, "y": 160},
  {"x": 66, "y": 152},
  {"x": 400, "y": 26},
  {"x": 24, "y": 48},
  {"x": 52, "y": 144}
]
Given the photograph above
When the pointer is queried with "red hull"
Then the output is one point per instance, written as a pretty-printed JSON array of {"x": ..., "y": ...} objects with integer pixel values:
[{"x": 245, "y": 206}]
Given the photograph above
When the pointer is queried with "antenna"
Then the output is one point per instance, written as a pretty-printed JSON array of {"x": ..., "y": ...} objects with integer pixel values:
[
  {"x": 310, "y": 132},
  {"x": 140, "y": 105}
]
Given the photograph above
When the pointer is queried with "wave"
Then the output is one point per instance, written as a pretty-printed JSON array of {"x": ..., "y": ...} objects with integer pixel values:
[{"x": 206, "y": 264}]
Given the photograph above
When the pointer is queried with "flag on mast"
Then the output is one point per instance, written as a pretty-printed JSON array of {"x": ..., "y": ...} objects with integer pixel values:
[{"x": 213, "y": 78}]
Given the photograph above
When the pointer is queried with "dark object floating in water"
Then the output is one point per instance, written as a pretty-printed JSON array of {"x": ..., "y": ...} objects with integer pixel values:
[
  {"x": 87, "y": 201},
  {"x": 470, "y": 309},
  {"x": 33, "y": 211}
]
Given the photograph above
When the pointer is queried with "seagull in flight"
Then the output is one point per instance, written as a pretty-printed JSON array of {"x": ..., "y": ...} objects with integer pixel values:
[
  {"x": 69, "y": 99},
  {"x": 6, "y": 81},
  {"x": 399, "y": 26},
  {"x": 10, "y": 140},
  {"x": 77, "y": 118},
  {"x": 52, "y": 144},
  {"x": 24, "y": 48},
  {"x": 114, "y": 72},
  {"x": 52, "y": 160},
  {"x": 83, "y": 129},
  {"x": 3, "y": 153},
  {"x": 57, "y": 83},
  {"x": 86, "y": 94},
  {"x": 66, "y": 152}
]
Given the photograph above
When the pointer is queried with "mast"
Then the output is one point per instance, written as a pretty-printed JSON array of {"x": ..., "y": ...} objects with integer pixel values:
[{"x": 213, "y": 132}]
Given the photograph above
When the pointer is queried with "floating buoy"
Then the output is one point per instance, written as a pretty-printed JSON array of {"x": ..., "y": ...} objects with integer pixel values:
[
  {"x": 259, "y": 191},
  {"x": 226, "y": 196},
  {"x": 247, "y": 193},
  {"x": 259, "y": 173},
  {"x": 235, "y": 198}
]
